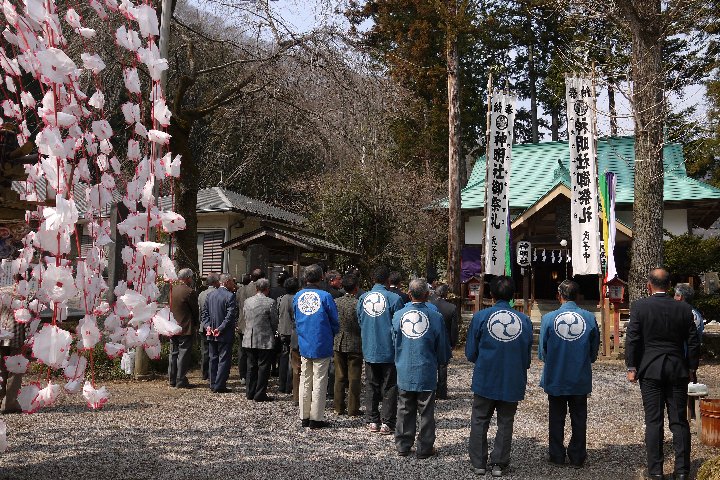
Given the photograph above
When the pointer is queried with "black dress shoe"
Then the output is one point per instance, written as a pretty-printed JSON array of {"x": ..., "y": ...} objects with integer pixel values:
[
  {"x": 305, "y": 422},
  {"x": 183, "y": 385},
  {"x": 264, "y": 399},
  {"x": 423, "y": 456},
  {"x": 316, "y": 424},
  {"x": 404, "y": 453},
  {"x": 223, "y": 390},
  {"x": 682, "y": 476},
  {"x": 655, "y": 476}
]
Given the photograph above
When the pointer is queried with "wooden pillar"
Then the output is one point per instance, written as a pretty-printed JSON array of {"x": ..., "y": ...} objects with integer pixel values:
[
  {"x": 605, "y": 322},
  {"x": 527, "y": 273},
  {"x": 296, "y": 263},
  {"x": 480, "y": 294},
  {"x": 616, "y": 329}
]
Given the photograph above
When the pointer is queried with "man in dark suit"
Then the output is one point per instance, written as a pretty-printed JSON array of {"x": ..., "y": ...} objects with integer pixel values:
[
  {"x": 184, "y": 307},
  {"x": 662, "y": 351},
  {"x": 218, "y": 319},
  {"x": 450, "y": 318},
  {"x": 213, "y": 282}
]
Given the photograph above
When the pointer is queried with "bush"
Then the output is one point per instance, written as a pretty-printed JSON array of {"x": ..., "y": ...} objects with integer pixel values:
[
  {"x": 708, "y": 305},
  {"x": 689, "y": 255}
]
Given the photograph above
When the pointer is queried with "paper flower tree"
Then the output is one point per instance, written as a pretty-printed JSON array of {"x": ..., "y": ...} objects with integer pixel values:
[{"x": 75, "y": 140}]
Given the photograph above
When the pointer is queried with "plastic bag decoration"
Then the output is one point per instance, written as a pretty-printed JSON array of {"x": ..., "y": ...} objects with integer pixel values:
[{"x": 76, "y": 176}]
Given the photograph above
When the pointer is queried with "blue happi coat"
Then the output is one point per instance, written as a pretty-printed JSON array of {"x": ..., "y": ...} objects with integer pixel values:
[
  {"x": 375, "y": 311},
  {"x": 569, "y": 343},
  {"x": 699, "y": 322},
  {"x": 316, "y": 322},
  {"x": 499, "y": 342},
  {"x": 420, "y": 346}
]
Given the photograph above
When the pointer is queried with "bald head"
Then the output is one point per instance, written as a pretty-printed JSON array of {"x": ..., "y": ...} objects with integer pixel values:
[{"x": 659, "y": 280}]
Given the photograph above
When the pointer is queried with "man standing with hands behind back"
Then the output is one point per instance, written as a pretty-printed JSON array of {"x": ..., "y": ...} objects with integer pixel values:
[
  {"x": 219, "y": 318},
  {"x": 662, "y": 351}
]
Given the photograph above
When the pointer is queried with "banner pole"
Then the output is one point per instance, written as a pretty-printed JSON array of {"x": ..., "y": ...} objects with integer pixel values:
[{"x": 481, "y": 290}]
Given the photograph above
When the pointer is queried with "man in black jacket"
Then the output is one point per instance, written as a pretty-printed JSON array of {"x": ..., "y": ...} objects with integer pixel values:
[
  {"x": 450, "y": 317},
  {"x": 662, "y": 351}
]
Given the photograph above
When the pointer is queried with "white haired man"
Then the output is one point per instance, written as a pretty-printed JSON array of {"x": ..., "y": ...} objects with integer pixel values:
[
  {"x": 213, "y": 282},
  {"x": 261, "y": 321},
  {"x": 420, "y": 346},
  {"x": 184, "y": 307}
]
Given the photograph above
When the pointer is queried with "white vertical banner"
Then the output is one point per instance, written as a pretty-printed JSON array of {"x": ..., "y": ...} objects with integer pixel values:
[
  {"x": 583, "y": 177},
  {"x": 497, "y": 192}
]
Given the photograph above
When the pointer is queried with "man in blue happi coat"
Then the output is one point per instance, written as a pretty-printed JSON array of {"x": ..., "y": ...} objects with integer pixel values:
[
  {"x": 569, "y": 342},
  {"x": 218, "y": 320},
  {"x": 316, "y": 321},
  {"x": 499, "y": 342},
  {"x": 420, "y": 346},
  {"x": 685, "y": 293},
  {"x": 375, "y": 311}
]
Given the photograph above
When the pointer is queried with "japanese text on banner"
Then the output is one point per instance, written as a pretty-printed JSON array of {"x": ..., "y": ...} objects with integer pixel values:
[
  {"x": 497, "y": 201},
  {"x": 583, "y": 177}
]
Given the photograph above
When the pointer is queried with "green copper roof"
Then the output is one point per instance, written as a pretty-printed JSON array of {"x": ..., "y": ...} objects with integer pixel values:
[{"x": 538, "y": 167}]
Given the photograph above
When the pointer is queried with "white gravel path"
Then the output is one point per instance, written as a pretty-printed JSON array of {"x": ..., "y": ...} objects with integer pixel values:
[{"x": 149, "y": 430}]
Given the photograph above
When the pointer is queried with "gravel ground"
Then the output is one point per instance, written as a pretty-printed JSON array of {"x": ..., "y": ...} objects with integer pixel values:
[{"x": 149, "y": 430}]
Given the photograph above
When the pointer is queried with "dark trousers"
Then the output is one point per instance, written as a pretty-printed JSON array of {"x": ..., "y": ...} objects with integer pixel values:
[
  {"x": 442, "y": 389},
  {"x": 657, "y": 395},
  {"x": 348, "y": 374},
  {"x": 576, "y": 449},
  {"x": 381, "y": 386},
  {"x": 179, "y": 364},
  {"x": 482, "y": 412},
  {"x": 295, "y": 363},
  {"x": 220, "y": 359},
  {"x": 258, "y": 372},
  {"x": 242, "y": 358},
  {"x": 410, "y": 404},
  {"x": 204, "y": 357},
  {"x": 285, "y": 374}
]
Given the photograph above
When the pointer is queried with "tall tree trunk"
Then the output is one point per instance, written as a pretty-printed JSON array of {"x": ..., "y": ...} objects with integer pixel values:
[
  {"x": 455, "y": 214},
  {"x": 186, "y": 193},
  {"x": 532, "y": 78},
  {"x": 555, "y": 123},
  {"x": 611, "y": 107},
  {"x": 649, "y": 111}
]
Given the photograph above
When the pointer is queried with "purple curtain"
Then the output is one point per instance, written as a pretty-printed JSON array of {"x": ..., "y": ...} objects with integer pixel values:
[{"x": 470, "y": 263}]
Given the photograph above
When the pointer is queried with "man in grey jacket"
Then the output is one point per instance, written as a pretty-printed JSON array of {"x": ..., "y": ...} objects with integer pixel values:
[
  {"x": 245, "y": 291},
  {"x": 261, "y": 321}
]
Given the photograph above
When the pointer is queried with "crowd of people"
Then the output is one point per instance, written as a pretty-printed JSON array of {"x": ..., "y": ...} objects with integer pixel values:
[{"x": 320, "y": 331}]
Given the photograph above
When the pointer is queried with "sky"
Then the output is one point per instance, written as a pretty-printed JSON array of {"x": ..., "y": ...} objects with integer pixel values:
[{"x": 304, "y": 15}]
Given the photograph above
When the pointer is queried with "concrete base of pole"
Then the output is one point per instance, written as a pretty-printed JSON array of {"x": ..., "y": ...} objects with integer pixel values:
[{"x": 142, "y": 365}]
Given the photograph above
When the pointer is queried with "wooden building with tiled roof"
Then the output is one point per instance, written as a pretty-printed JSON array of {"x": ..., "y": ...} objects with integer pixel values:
[{"x": 540, "y": 205}]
